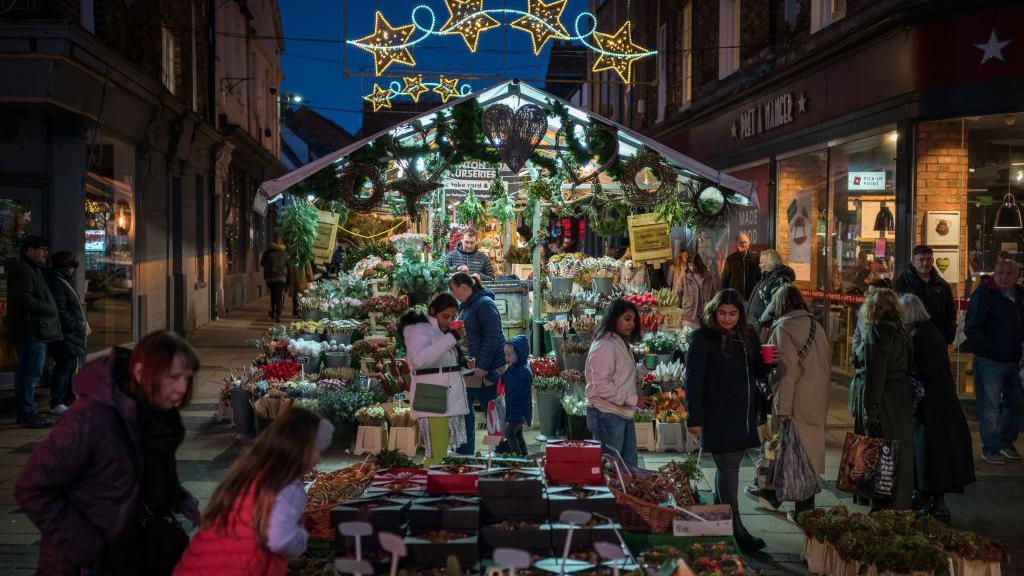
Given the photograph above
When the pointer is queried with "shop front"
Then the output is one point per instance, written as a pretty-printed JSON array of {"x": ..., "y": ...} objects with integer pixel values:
[{"x": 861, "y": 162}]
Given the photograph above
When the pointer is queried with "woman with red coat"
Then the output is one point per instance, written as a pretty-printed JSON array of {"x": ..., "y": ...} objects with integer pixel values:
[
  {"x": 251, "y": 526},
  {"x": 103, "y": 487}
]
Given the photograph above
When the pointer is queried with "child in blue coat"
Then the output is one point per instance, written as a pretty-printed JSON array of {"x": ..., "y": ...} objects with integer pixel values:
[{"x": 518, "y": 382}]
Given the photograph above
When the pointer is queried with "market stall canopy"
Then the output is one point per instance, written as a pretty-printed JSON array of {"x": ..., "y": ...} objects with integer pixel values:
[{"x": 515, "y": 94}]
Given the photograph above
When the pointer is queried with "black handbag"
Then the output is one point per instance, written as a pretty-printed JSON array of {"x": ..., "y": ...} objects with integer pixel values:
[{"x": 162, "y": 541}]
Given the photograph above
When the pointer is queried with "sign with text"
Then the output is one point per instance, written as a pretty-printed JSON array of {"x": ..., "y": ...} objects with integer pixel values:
[
  {"x": 326, "y": 232},
  {"x": 865, "y": 181},
  {"x": 649, "y": 238},
  {"x": 472, "y": 175},
  {"x": 768, "y": 115}
]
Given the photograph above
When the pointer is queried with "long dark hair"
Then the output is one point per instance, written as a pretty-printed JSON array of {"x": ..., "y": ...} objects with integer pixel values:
[
  {"x": 615, "y": 310},
  {"x": 442, "y": 301},
  {"x": 466, "y": 279},
  {"x": 698, "y": 265},
  {"x": 709, "y": 319}
]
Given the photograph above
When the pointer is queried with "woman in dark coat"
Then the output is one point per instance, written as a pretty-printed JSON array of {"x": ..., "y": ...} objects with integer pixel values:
[
  {"x": 883, "y": 406},
  {"x": 942, "y": 441},
  {"x": 103, "y": 487},
  {"x": 722, "y": 365}
]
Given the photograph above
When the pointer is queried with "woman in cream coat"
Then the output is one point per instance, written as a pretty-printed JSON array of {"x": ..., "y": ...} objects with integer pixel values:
[{"x": 432, "y": 345}]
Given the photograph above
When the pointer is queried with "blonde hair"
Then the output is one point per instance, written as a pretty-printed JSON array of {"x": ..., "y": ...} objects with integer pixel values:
[
  {"x": 770, "y": 260},
  {"x": 786, "y": 299},
  {"x": 913, "y": 310},
  {"x": 881, "y": 305}
]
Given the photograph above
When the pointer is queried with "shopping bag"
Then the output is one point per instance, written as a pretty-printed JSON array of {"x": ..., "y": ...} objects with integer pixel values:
[
  {"x": 765, "y": 470},
  {"x": 859, "y": 461},
  {"x": 496, "y": 412},
  {"x": 795, "y": 479},
  {"x": 884, "y": 487}
]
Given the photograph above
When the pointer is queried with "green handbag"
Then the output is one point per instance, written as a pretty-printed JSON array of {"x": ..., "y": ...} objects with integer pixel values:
[{"x": 430, "y": 398}]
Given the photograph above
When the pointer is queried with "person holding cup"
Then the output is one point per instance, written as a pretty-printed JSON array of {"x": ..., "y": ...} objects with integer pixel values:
[{"x": 723, "y": 364}]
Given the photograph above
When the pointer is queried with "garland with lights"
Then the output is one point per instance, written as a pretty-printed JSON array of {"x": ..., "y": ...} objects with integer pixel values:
[
  {"x": 414, "y": 87},
  {"x": 468, "y": 19}
]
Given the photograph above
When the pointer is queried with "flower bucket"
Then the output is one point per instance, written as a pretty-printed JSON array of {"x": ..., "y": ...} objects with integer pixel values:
[
  {"x": 549, "y": 410},
  {"x": 560, "y": 285},
  {"x": 651, "y": 361},
  {"x": 241, "y": 412},
  {"x": 665, "y": 358},
  {"x": 344, "y": 337},
  {"x": 344, "y": 434},
  {"x": 312, "y": 365},
  {"x": 556, "y": 344},
  {"x": 336, "y": 359},
  {"x": 575, "y": 362},
  {"x": 576, "y": 428},
  {"x": 601, "y": 285}
]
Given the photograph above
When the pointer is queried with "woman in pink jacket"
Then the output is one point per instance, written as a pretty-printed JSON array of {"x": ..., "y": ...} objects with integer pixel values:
[{"x": 612, "y": 379}]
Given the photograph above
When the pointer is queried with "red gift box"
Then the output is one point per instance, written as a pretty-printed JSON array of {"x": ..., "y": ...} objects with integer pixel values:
[
  {"x": 573, "y": 462},
  {"x": 446, "y": 480}
]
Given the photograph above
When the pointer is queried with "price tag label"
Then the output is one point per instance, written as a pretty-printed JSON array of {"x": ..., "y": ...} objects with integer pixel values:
[
  {"x": 590, "y": 311},
  {"x": 562, "y": 318}
]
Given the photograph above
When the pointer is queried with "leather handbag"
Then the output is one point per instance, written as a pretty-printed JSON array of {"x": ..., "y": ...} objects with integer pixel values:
[{"x": 430, "y": 398}]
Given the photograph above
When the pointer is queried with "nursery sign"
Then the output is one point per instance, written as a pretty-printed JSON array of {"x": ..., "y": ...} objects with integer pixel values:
[
  {"x": 471, "y": 175},
  {"x": 649, "y": 238},
  {"x": 326, "y": 231}
]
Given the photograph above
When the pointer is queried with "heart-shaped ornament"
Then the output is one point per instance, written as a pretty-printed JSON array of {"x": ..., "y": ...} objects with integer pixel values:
[
  {"x": 515, "y": 134},
  {"x": 942, "y": 264}
]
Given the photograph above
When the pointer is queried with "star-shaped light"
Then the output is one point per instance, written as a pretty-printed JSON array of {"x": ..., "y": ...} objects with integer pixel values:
[
  {"x": 993, "y": 48},
  {"x": 414, "y": 87},
  {"x": 619, "y": 43},
  {"x": 467, "y": 20},
  {"x": 545, "y": 24},
  {"x": 387, "y": 44},
  {"x": 446, "y": 88},
  {"x": 381, "y": 97}
]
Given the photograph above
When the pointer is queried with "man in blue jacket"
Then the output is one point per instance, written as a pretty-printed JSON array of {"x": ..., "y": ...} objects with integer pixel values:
[
  {"x": 995, "y": 328},
  {"x": 518, "y": 383}
]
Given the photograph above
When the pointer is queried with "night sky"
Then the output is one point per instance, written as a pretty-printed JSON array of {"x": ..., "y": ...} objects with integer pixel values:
[{"x": 315, "y": 69}]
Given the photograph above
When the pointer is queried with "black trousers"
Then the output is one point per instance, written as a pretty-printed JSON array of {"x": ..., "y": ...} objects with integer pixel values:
[
  {"x": 727, "y": 487},
  {"x": 276, "y": 297}
]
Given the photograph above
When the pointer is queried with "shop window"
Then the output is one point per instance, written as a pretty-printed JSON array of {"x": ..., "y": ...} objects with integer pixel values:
[
  {"x": 110, "y": 243},
  {"x": 169, "y": 60},
  {"x": 15, "y": 224},
  {"x": 728, "y": 37},
  {"x": 233, "y": 220},
  {"x": 683, "y": 86},
  {"x": 258, "y": 230},
  {"x": 825, "y": 12}
]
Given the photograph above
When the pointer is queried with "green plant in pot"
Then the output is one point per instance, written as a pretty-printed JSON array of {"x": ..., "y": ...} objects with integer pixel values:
[
  {"x": 661, "y": 345},
  {"x": 420, "y": 279}
]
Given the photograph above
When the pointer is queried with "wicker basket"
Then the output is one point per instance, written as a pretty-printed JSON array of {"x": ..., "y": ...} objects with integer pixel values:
[
  {"x": 638, "y": 515},
  {"x": 318, "y": 523},
  {"x": 673, "y": 317}
]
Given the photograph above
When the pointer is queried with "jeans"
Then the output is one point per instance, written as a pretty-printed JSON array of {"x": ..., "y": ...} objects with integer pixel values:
[
  {"x": 997, "y": 385},
  {"x": 513, "y": 434},
  {"x": 479, "y": 396},
  {"x": 277, "y": 298},
  {"x": 727, "y": 487},
  {"x": 31, "y": 357},
  {"x": 616, "y": 434},
  {"x": 63, "y": 377}
]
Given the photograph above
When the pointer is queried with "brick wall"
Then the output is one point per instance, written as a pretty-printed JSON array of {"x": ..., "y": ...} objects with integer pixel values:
[
  {"x": 942, "y": 179},
  {"x": 705, "y": 45},
  {"x": 804, "y": 172}
]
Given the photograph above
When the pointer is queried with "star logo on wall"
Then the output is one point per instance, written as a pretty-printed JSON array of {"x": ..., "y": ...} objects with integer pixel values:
[
  {"x": 993, "y": 48},
  {"x": 549, "y": 24},
  {"x": 387, "y": 44},
  {"x": 381, "y": 97},
  {"x": 735, "y": 131},
  {"x": 462, "y": 20},
  {"x": 414, "y": 87},
  {"x": 801, "y": 104},
  {"x": 619, "y": 43}
]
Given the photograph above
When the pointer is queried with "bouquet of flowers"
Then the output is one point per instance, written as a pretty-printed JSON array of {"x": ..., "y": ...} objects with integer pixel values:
[
  {"x": 559, "y": 327},
  {"x": 670, "y": 407},
  {"x": 363, "y": 268},
  {"x": 558, "y": 302},
  {"x": 573, "y": 377},
  {"x": 281, "y": 371},
  {"x": 300, "y": 348},
  {"x": 371, "y": 416},
  {"x": 330, "y": 384},
  {"x": 603, "y": 267},
  {"x": 660, "y": 343},
  {"x": 400, "y": 416},
  {"x": 352, "y": 286},
  {"x": 409, "y": 241},
  {"x": 544, "y": 368},
  {"x": 572, "y": 347},
  {"x": 667, "y": 373},
  {"x": 387, "y": 305},
  {"x": 575, "y": 402},
  {"x": 566, "y": 265},
  {"x": 305, "y": 327},
  {"x": 554, "y": 384},
  {"x": 683, "y": 339},
  {"x": 342, "y": 405},
  {"x": 585, "y": 325}
]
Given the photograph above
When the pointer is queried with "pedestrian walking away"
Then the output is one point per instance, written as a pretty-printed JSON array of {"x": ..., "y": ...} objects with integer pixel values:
[{"x": 275, "y": 273}]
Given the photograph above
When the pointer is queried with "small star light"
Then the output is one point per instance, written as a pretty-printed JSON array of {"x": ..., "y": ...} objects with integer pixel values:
[
  {"x": 414, "y": 87},
  {"x": 545, "y": 24},
  {"x": 384, "y": 44},
  {"x": 466, "y": 20},
  {"x": 446, "y": 88},
  {"x": 381, "y": 97},
  {"x": 619, "y": 43}
]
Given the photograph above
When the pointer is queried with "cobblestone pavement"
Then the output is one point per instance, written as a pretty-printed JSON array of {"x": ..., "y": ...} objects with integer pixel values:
[{"x": 993, "y": 506}]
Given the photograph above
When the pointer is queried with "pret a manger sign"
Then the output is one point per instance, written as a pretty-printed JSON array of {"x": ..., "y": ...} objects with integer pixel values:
[{"x": 769, "y": 115}]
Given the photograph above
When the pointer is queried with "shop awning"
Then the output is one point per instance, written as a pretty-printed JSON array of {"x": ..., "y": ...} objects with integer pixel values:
[{"x": 515, "y": 93}]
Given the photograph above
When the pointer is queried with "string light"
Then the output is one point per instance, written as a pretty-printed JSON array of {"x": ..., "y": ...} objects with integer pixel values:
[
  {"x": 446, "y": 88},
  {"x": 620, "y": 43},
  {"x": 468, "y": 19},
  {"x": 387, "y": 44},
  {"x": 543, "y": 23},
  {"x": 414, "y": 87},
  {"x": 381, "y": 97}
]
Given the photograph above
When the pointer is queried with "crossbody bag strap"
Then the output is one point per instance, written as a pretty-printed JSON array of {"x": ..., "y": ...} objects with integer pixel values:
[{"x": 806, "y": 349}]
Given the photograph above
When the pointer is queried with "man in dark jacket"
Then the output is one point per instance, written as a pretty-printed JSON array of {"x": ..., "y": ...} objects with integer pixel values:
[
  {"x": 995, "y": 330},
  {"x": 32, "y": 323},
  {"x": 466, "y": 258},
  {"x": 775, "y": 275},
  {"x": 741, "y": 272},
  {"x": 275, "y": 273},
  {"x": 921, "y": 279},
  {"x": 69, "y": 352}
]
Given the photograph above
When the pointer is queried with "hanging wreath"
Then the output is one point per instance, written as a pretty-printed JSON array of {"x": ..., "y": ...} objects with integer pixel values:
[
  {"x": 351, "y": 175},
  {"x": 647, "y": 158},
  {"x": 609, "y": 220},
  {"x": 701, "y": 213}
]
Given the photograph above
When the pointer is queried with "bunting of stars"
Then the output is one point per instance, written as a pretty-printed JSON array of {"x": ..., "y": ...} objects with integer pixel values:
[
  {"x": 414, "y": 87},
  {"x": 468, "y": 19},
  {"x": 381, "y": 97}
]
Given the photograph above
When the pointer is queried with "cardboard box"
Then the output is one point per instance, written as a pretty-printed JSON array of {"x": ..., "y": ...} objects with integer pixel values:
[
  {"x": 598, "y": 500},
  {"x": 456, "y": 513},
  {"x": 508, "y": 483},
  {"x": 571, "y": 462},
  {"x": 382, "y": 512},
  {"x": 453, "y": 479},
  {"x": 424, "y": 553},
  {"x": 720, "y": 525},
  {"x": 530, "y": 538},
  {"x": 498, "y": 509}
]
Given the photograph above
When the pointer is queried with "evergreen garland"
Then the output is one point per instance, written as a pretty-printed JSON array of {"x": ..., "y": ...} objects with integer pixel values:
[{"x": 299, "y": 220}]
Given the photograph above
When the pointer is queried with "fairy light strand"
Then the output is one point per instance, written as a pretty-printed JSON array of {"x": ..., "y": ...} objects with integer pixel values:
[{"x": 414, "y": 87}]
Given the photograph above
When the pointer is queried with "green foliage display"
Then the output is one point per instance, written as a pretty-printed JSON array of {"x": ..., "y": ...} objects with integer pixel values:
[
  {"x": 414, "y": 276},
  {"x": 341, "y": 405},
  {"x": 471, "y": 211},
  {"x": 671, "y": 212},
  {"x": 501, "y": 206},
  {"x": 611, "y": 219},
  {"x": 298, "y": 228}
]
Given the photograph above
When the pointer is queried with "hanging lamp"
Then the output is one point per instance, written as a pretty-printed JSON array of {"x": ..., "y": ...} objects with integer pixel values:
[{"x": 1008, "y": 215}]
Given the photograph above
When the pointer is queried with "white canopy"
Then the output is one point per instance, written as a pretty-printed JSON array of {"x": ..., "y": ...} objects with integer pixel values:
[{"x": 512, "y": 92}]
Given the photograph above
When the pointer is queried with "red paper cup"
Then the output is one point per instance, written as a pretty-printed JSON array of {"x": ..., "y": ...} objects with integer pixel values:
[
  {"x": 456, "y": 324},
  {"x": 768, "y": 353}
]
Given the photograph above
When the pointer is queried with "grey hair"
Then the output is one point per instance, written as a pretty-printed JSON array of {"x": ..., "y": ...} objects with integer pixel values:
[
  {"x": 914, "y": 311},
  {"x": 770, "y": 260}
]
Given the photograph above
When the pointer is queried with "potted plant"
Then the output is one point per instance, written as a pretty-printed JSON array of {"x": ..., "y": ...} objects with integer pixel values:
[
  {"x": 661, "y": 345},
  {"x": 562, "y": 270},
  {"x": 574, "y": 353},
  {"x": 420, "y": 279},
  {"x": 299, "y": 220},
  {"x": 340, "y": 407},
  {"x": 575, "y": 405},
  {"x": 643, "y": 423},
  {"x": 548, "y": 383},
  {"x": 602, "y": 271}
]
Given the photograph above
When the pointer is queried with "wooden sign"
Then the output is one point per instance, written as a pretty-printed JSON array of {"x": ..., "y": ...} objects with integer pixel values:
[
  {"x": 649, "y": 238},
  {"x": 326, "y": 232}
]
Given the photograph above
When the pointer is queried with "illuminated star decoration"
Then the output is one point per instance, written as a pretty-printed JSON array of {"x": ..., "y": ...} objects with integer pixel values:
[
  {"x": 545, "y": 24},
  {"x": 468, "y": 20},
  {"x": 619, "y": 43},
  {"x": 414, "y": 87},
  {"x": 446, "y": 87},
  {"x": 993, "y": 49},
  {"x": 382, "y": 44},
  {"x": 381, "y": 97}
]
